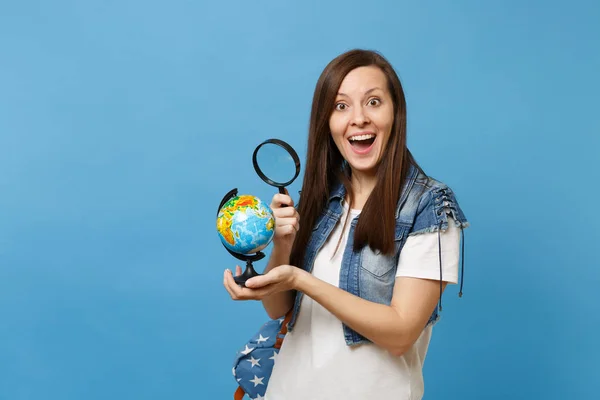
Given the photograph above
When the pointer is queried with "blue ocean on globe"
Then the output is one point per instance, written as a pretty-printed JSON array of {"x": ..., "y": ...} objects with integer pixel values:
[{"x": 245, "y": 224}]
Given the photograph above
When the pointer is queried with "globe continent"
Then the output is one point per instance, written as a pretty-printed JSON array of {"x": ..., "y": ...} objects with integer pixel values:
[{"x": 245, "y": 224}]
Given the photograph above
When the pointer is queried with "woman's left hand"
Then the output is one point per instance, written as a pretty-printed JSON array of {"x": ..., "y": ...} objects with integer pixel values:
[{"x": 279, "y": 279}]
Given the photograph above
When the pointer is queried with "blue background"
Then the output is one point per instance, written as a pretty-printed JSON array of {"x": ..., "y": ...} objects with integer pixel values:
[{"x": 123, "y": 123}]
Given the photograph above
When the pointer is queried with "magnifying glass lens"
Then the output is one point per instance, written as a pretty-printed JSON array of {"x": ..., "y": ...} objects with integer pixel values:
[{"x": 276, "y": 163}]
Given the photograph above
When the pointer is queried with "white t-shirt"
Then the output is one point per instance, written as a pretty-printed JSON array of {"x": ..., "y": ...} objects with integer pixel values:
[{"x": 314, "y": 361}]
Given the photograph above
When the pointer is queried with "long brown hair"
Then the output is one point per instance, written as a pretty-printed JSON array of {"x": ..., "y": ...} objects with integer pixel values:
[{"x": 325, "y": 165}]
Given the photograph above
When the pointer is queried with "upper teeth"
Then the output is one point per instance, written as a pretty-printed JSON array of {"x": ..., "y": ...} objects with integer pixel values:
[{"x": 362, "y": 137}]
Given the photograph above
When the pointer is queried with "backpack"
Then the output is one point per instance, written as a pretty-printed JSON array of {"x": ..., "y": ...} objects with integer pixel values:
[{"x": 254, "y": 362}]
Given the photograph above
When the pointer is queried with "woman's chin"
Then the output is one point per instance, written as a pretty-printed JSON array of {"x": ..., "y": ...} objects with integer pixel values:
[{"x": 363, "y": 167}]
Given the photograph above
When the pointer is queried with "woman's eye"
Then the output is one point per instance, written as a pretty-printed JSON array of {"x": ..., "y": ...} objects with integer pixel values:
[
  {"x": 340, "y": 106},
  {"x": 374, "y": 102}
]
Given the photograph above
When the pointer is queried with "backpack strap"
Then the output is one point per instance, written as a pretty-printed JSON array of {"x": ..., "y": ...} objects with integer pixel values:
[
  {"x": 283, "y": 330},
  {"x": 239, "y": 394}
]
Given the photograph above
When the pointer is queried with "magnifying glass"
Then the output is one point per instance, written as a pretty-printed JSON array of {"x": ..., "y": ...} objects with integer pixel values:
[{"x": 277, "y": 163}]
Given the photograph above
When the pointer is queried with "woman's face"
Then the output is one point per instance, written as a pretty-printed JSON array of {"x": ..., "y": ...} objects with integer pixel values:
[{"x": 362, "y": 119}]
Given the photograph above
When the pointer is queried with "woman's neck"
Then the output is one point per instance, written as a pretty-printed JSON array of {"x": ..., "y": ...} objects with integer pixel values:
[{"x": 362, "y": 186}]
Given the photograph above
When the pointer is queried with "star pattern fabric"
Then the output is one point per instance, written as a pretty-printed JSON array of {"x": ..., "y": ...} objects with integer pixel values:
[
  {"x": 254, "y": 361},
  {"x": 262, "y": 339},
  {"x": 247, "y": 350}
]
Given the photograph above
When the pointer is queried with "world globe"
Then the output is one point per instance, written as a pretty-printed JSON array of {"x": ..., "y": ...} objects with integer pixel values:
[{"x": 245, "y": 224}]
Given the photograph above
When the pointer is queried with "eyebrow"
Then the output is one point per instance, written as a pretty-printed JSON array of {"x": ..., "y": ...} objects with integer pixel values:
[{"x": 367, "y": 92}]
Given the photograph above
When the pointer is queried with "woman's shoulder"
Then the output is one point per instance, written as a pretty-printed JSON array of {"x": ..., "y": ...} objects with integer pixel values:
[
  {"x": 434, "y": 201},
  {"x": 428, "y": 183}
]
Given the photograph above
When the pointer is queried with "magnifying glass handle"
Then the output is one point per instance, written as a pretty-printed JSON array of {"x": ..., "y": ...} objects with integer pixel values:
[{"x": 282, "y": 191}]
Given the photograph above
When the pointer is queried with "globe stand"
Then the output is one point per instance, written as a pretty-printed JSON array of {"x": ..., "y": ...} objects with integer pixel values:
[{"x": 249, "y": 272}]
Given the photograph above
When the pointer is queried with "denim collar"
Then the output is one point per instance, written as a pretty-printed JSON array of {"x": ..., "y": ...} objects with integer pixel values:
[{"x": 338, "y": 191}]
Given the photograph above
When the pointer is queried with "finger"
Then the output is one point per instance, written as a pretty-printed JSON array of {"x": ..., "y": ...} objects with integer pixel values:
[
  {"x": 281, "y": 199},
  {"x": 281, "y": 222},
  {"x": 286, "y": 212},
  {"x": 261, "y": 281},
  {"x": 239, "y": 293},
  {"x": 227, "y": 284},
  {"x": 286, "y": 230},
  {"x": 238, "y": 270}
]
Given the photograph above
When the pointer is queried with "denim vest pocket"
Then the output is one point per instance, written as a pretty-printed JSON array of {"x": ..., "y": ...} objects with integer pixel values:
[{"x": 380, "y": 265}]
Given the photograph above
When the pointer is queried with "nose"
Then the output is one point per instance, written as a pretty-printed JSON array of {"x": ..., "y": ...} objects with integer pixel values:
[{"x": 359, "y": 118}]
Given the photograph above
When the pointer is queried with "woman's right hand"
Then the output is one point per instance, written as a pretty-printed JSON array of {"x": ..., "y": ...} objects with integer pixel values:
[{"x": 287, "y": 221}]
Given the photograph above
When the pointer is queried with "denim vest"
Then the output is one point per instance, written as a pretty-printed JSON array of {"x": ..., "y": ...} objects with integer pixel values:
[{"x": 424, "y": 206}]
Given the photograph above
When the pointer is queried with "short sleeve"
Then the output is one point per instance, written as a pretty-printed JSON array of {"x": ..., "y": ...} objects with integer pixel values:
[
  {"x": 420, "y": 255},
  {"x": 435, "y": 208}
]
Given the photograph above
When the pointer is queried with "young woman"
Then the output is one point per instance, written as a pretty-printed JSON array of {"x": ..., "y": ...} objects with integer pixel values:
[{"x": 363, "y": 260}]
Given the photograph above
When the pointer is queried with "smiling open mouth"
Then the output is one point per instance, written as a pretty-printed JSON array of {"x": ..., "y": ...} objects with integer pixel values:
[{"x": 362, "y": 142}]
